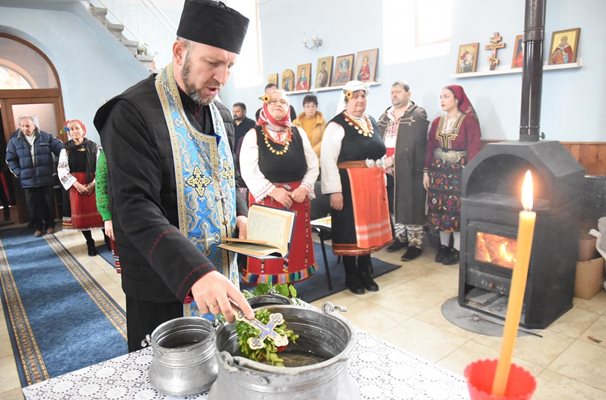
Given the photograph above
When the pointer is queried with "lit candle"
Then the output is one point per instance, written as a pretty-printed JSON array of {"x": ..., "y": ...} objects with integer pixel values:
[{"x": 518, "y": 287}]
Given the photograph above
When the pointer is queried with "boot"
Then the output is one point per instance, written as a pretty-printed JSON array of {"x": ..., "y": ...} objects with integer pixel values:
[
  {"x": 442, "y": 253},
  {"x": 92, "y": 250},
  {"x": 412, "y": 253},
  {"x": 396, "y": 246},
  {"x": 352, "y": 280},
  {"x": 364, "y": 273},
  {"x": 452, "y": 258}
]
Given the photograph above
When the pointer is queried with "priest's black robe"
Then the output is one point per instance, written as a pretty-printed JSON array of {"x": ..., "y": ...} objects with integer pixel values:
[{"x": 159, "y": 264}]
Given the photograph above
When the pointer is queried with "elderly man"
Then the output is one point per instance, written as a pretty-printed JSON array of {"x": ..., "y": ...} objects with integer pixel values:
[
  {"x": 404, "y": 130},
  {"x": 29, "y": 155},
  {"x": 172, "y": 177}
]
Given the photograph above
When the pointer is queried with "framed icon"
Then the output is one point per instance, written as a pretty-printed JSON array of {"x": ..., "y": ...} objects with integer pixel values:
[
  {"x": 273, "y": 78},
  {"x": 518, "y": 52},
  {"x": 323, "y": 72},
  {"x": 467, "y": 59},
  {"x": 564, "y": 46},
  {"x": 366, "y": 65},
  {"x": 303, "y": 77},
  {"x": 288, "y": 80},
  {"x": 343, "y": 70}
]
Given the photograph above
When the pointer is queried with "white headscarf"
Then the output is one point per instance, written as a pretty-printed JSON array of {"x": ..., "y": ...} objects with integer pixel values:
[{"x": 351, "y": 86}]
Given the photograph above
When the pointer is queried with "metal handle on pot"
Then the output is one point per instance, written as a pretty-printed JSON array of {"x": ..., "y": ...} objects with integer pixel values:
[
  {"x": 330, "y": 308},
  {"x": 146, "y": 342}
]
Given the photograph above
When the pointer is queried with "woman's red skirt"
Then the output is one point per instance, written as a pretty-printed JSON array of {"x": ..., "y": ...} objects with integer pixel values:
[{"x": 300, "y": 263}]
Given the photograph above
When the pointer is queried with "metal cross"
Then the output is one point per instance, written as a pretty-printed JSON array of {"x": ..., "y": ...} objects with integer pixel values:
[
  {"x": 266, "y": 331},
  {"x": 494, "y": 45}
]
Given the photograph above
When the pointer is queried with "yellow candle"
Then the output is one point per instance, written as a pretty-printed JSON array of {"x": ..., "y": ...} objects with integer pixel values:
[{"x": 518, "y": 287}]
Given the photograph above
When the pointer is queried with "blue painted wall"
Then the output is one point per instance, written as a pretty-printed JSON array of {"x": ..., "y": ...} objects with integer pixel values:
[
  {"x": 572, "y": 104},
  {"x": 573, "y": 100}
]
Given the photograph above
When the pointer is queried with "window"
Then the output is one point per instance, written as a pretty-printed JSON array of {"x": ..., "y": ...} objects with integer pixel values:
[
  {"x": 11, "y": 79},
  {"x": 248, "y": 70},
  {"x": 416, "y": 29}
]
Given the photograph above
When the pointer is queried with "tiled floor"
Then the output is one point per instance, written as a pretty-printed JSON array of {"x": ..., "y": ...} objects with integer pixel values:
[{"x": 406, "y": 312}]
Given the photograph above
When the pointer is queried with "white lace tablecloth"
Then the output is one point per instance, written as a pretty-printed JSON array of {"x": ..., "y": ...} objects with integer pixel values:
[{"x": 382, "y": 371}]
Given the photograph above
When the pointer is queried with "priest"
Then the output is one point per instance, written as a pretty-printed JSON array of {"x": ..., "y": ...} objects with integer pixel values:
[{"x": 172, "y": 177}]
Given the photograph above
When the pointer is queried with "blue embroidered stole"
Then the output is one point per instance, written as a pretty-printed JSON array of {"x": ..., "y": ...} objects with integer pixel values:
[{"x": 204, "y": 173}]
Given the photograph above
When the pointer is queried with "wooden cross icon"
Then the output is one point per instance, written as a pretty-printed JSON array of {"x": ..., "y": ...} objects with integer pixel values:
[
  {"x": 266, "y": 331},
  {"x": 494, "y": 45}
]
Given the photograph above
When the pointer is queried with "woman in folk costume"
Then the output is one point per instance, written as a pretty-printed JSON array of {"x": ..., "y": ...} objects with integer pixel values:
[
  {"x": 76, "y": 169},
  {"x": 353, "y": 174},
  {"x": 279, "y": 167},
  {"x": 453, "y": 140}
]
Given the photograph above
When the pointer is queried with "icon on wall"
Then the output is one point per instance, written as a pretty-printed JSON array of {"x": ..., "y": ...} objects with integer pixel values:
[
  {"x": 366, "y": 65},
  {"x": 323, "y": 71},
  {"x": 343, "y": 70},
  {"x": 564, "y": 46}
]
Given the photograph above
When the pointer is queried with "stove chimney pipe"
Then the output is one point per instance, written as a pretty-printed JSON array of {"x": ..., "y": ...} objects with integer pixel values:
[{"x": 532, "y": 71}]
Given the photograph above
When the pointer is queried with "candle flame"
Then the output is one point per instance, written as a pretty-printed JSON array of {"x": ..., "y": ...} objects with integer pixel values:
[{"x": 527, "y": 191}]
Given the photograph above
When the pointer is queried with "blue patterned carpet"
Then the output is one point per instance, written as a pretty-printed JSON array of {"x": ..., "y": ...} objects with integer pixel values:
[{"x": 59, "y": 318}]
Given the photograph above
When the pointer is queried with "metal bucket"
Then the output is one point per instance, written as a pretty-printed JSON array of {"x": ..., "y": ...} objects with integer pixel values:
[
  {"x": 184, "y": 356},
  {"x": 268, "y": 300},
  {"x": 325, "y": 335}
]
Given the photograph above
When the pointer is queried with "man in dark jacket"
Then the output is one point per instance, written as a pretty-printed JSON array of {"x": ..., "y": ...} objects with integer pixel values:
[
  {"x": 172, "y": 177},
  {"x": 29, "y": 155},
  {"x": 404, "y": 130}
]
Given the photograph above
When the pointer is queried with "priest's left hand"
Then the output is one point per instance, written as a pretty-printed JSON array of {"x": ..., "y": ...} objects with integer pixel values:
[{"x": 213, "y": 292}]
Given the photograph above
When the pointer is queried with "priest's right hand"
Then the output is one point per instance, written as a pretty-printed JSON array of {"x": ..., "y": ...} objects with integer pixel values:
[{"x": 213, "y": 292}]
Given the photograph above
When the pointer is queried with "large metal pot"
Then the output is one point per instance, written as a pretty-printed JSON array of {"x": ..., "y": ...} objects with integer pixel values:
[
  {"x": 325, "y": 335},
  {"x": 183, "y": 356}
]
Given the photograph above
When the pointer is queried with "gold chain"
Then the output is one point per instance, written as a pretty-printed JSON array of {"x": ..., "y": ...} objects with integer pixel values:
[
  {"x": 368, "y": 132},
  {"x": 271, "y": 148}
]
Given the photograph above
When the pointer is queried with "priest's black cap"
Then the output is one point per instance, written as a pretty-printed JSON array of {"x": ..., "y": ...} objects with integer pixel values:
[{"x": 213, "y": 23}]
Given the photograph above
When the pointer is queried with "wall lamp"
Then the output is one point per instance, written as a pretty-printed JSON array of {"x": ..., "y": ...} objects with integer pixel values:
[{"x": 312, "y": 42}]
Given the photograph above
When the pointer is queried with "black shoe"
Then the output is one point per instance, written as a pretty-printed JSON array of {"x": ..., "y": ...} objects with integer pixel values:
[
  {"x": 396, "y": 246},
  {"x": 452, "y": 258},
  {"x": 354, "y": 286},
  {"x": 92, "y": 250},
  {"x": 443, "y": 252},
  {"x": 367, "y": 281},
  {"x": 412, "y": 253},
  {"x": 352, "y": 281}
]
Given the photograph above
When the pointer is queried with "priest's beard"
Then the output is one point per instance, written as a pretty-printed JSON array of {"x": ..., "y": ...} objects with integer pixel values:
[{"x": 190, "y": 88}]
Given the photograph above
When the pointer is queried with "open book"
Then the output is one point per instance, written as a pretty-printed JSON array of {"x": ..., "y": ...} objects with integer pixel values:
[{"x": 269, "y": 231}]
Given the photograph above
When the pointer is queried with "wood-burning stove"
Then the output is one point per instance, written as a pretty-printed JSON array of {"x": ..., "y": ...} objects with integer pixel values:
[
  {"x": 489, "y": 216},
  {"x": 490, "y": 204}
]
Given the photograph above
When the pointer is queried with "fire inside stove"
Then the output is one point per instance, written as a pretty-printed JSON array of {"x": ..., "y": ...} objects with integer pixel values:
[{"x": 495, "y": 249}]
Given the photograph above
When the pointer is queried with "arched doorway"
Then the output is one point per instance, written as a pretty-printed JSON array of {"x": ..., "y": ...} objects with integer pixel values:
[{"x": 29, "y": 85}]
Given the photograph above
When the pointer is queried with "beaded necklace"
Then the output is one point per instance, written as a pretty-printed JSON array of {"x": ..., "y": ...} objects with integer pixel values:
[
  {"x": 367, "y": 132},
  {"x": 267, "y": 138}
]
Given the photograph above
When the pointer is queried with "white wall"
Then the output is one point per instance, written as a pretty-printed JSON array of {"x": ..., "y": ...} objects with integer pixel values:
[
  {"x": 573, "y": 100},
  {"x": 92, "y": 68}
]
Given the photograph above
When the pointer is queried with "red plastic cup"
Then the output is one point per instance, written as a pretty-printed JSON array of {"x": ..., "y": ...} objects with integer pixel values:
[{"x": 480, "y": 377}]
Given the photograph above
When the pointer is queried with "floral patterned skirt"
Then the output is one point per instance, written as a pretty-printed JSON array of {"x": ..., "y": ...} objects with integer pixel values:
[{"x": 444, "y": 195}]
